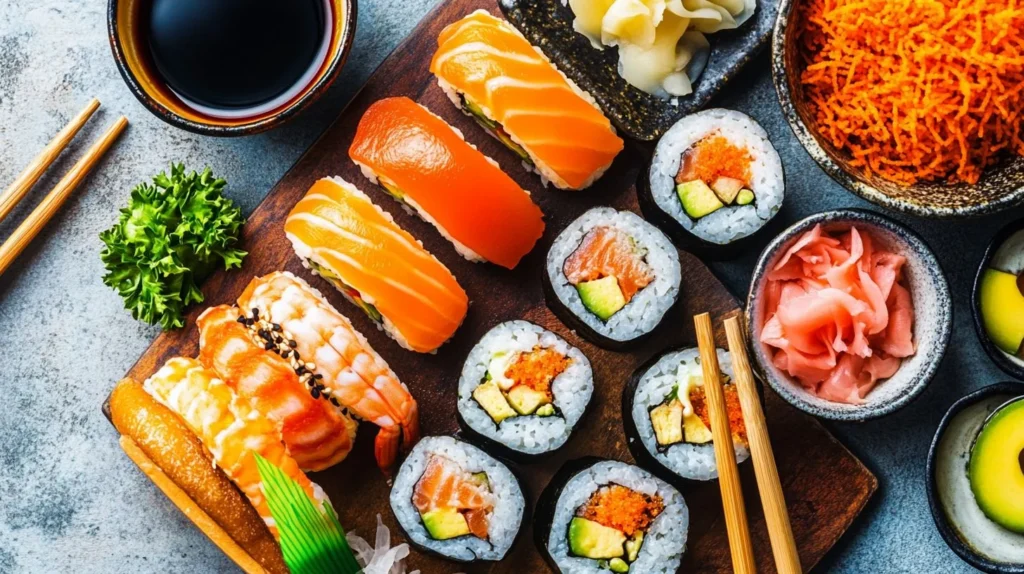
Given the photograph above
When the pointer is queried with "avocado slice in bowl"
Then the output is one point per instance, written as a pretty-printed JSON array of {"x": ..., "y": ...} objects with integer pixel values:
[
  {"x": 996, "y": 468},
  {"x": 998, "y": 302}
]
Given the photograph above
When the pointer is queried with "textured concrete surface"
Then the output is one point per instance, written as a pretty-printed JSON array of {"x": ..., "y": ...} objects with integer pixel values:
[{"x": 69, "y": 499}]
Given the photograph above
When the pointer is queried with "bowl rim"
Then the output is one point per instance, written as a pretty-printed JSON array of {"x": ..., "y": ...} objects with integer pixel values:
[
  {"x": 877, "y": 219},
  {"x": 942, "y": 523},
  {"x": 299, "y": 104},
  {"x": 998, "y": 356},
  {"x": 848, "y": 180}
]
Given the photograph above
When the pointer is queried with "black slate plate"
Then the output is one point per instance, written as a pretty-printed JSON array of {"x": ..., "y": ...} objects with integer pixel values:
[{"x": 547, "y": 24}]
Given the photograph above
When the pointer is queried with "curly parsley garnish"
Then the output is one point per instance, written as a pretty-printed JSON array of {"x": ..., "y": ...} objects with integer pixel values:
[{"x": 172, "y": 235}]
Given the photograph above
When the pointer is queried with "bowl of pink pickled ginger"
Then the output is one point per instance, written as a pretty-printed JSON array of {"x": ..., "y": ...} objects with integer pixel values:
[{"x": 849, "y": 314}]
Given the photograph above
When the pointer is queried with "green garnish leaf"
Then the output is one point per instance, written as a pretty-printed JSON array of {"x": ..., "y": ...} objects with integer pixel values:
[
  {"x": 312, "y": 540},
  {"x": 172, "y": 235}
]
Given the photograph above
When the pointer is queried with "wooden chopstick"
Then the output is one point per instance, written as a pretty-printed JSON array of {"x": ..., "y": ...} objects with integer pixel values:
[
  {"x": 36, "y": 220},
  {"x": 725, "y": 456},
  {"x": 31, "y": 174},
  {"x": 780, "y": 532}
]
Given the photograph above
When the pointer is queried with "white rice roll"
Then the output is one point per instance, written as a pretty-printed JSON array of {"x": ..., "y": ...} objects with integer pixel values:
[
  {"x": 690, "y": 461},
  {"x": 504, "y": 519},
  {"x": 648, "y": 306},
  {"x": 663, "y": 543},
  {"x": 571, "y": 390},
  {"x": 732, "y": 222}
]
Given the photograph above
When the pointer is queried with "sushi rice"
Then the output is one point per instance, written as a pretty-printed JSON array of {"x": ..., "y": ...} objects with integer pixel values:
[
  {"x": 645, "y": 311},
  {"x": 690, "y": 461},
  {"x": 572, "y": 389},
  {"x": 665, "y": 540},
  {"x": 504, "y": 520},
  {"x": 731, "y": 223}
]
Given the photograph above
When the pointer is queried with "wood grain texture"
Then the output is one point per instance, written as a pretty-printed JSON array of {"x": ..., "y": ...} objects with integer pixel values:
[
  {"x": 826, "y": 486},
  {"x": 780, "y": 533},
  {"x": 733, "y": 506},
  {"x": 33, "y": 171}
]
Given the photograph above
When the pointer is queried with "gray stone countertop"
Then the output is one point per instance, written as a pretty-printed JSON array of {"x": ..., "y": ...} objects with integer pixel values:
[{"x": 70, "y": 501}]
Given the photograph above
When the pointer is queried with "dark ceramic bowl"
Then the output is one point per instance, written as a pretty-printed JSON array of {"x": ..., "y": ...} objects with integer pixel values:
[
  {"x": 547, "y": 24},
  {"x": 943, "y": 522},
  {"x": 933, "y": 317},
  {"x": 1001, "y": 359},
  {"x": 1001, "y": 186},
  {"x": 131, "y": 53}
]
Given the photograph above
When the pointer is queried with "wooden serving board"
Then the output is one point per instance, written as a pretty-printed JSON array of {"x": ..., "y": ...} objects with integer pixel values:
[{"x": 825, "y": 485}]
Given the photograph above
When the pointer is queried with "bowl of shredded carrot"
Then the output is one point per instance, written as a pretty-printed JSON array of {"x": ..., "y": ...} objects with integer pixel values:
[{"x": 915, "y": 105}]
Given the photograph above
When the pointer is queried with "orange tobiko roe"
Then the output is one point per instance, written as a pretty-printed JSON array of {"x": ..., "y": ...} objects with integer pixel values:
[
  {"x": 623, "y": 509},
  {"x": 714, "y": 157},
  {"x": 537, "y": 369}
]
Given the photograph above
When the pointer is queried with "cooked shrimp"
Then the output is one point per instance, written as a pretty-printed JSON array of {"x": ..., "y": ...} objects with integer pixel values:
[
  {"x": 355, "y": 374},
  {"x": 229, "y": 428},
  {"x": 317, "y": 434}
]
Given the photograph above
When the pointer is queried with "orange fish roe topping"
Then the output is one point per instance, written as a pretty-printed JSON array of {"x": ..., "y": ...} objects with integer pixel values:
[
  {"x": 537, "y": 368},
  {"x": 732, "y": 408},
  {"x": 623, "y": 509},
  {"x": 714, "y": 157},
  {"x": 915, "y": 89}
]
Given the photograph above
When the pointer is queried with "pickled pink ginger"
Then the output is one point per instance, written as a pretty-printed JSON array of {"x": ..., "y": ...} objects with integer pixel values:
[{"x": 839, "y": 318}]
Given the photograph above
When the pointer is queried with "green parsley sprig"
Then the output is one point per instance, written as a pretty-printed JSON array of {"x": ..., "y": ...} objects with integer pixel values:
[{"x": 173, "y": 234}]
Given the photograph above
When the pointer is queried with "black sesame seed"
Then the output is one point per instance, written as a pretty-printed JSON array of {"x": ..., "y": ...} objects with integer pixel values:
[
  {"x": 255, "y": 313},
  {"x": 275, "y": 327},
  {"x": 315, "y": 392},
  {"x": 269, "y": 346},
  {"x": 292, "y": 344},
  {"x": 318, "y": 376},
  {"x": 334, "y": 401},
  {"x": 241, "y": 319},
  {"x": 284, "y": 354}
]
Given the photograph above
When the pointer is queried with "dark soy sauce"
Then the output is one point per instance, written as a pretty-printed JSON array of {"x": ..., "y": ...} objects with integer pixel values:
[{"x": 232, "y": 54}]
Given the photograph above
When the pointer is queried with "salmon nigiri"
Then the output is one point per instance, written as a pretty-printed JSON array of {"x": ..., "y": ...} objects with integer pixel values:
[
  {"x": 229, "y": 428},
  {"x": 492, "y": 73},
  {"x": 348, "y": 367},
  {"x": 318, "y": 434},
  {"x": 424, "y": 163},
  {"x": 341, "y": 235}
]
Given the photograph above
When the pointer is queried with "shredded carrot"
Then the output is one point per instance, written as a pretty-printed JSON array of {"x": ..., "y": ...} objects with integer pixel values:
[
  {"x": 714, "y": 157},
  {"x": 915, "y": 90},
  {"x": 538, "y": 368},
  {"x": 623, "y": 509}
]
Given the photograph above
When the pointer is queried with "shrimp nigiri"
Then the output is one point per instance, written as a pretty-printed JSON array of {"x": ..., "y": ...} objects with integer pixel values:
[
  {"x": 229, "y": 428},
  {"x": 351, "y": 370},
  {"x": 317, "y": 434}
]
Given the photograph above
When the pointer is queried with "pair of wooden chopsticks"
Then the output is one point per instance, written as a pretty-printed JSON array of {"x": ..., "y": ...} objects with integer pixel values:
[
  {"x": 787, "y": 561},
  {"x": 36, "y": 220}
]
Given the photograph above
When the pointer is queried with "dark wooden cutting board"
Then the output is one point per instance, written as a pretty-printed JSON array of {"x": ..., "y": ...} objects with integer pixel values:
[{"x": 825, "y": 485}]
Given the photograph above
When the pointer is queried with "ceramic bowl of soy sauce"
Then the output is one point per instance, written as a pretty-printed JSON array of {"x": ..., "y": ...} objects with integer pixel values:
[{"x": 229, "y": 67}]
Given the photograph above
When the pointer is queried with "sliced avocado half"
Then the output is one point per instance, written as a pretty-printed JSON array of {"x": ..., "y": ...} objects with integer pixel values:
[
  {"x": 492, "y": 400},
  {"x": 602, "y": 297},
  {"x": 1001, "y": 303},
  {"x": 996, "y": 468},
  {"x": 445, "y": 523},
  {"x": 597, "y": 541},
  {"x": 698, "y": 199}
]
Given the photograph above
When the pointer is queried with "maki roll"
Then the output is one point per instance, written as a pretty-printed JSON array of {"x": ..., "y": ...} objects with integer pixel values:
[
  {"x": 454, "y": 500},
  {"x": 608, "y": 516},
  {"x": 666, "y": 416},
  {"x": 612, "y": 276},
  {"x": 523, "y": 389},
  {"x": 715, "y": 179}
]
